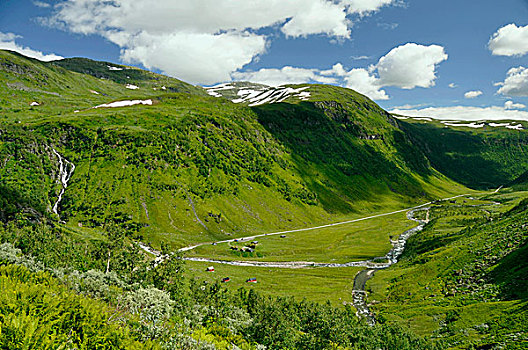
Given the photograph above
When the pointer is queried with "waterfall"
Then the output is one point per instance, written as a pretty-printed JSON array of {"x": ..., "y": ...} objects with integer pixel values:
[{"x": 66, "y": 169}]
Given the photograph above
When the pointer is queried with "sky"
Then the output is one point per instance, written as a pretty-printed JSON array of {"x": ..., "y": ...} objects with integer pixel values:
[{"x": 447, "y": 59}]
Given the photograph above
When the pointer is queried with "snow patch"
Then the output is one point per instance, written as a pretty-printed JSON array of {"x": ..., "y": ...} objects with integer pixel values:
[
  {"x": 125, "y": 103},
  {"x": 214, "y": 94},
  {"x": 94, "y": 92},
  {"x": 471, "y": 125},
  {"x": 34, "y": 104},
  {"x": 114, "y": 68},
  {"x": 132, "y": 87},
  {"x": 256, "y": 96},
  {"x": 219, "y": 87},
  {"x": 498, "y": 125},
  {"x": 515, "y": 127}
]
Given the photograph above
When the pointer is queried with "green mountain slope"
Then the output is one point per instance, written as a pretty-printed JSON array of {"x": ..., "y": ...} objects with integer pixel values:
[
  {"x": 60, "y": 90},
  {"x": 172, "y": 164},
  {"x": 191, "y": 167}
]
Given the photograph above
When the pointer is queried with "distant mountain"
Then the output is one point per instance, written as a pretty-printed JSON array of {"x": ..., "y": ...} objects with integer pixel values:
[{"x": 484, "y": 154}]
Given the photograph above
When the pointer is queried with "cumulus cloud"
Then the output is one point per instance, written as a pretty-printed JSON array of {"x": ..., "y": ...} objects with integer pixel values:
[
  {"x": 286, "y": 75},
  {"x": 410, "y": 65},
  {"x": 473, "y": 94},
  {"x": 464, "y": 113},
  {"x": 223, "y": 32},
  {"x": 364, "y": 82},
  {"x": 364, "y": 7},
  {"x": 8, "y": 42},
  {"x": 179, "y": 54},
  {"x": 319, "y": 17},
  {"x": 516, "y": 83},
  {"x": 453, "y": 86},
  {"x": 509, "y": 40},
  {"x": 513, "y": 105},
  {"x": 407, "y": 66}
]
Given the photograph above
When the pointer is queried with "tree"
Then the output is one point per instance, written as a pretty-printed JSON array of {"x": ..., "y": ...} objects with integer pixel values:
[{"x": 115, "y": 238}]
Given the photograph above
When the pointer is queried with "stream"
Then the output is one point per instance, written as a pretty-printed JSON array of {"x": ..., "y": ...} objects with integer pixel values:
[
  {"x": 359, "y": 294},
  {"x": 66, "y": 169}
]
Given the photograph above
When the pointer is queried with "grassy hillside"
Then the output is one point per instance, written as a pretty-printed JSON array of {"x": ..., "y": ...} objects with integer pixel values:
[
  {"x": 191, "y": 167},
  {"x": 463, "y": 279}
]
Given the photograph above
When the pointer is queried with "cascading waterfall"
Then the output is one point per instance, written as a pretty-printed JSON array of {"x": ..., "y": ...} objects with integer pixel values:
[{"x": 66, "y": 169}]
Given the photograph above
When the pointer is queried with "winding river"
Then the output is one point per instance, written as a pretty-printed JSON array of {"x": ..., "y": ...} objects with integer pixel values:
[{"x": 359, "y": 294}]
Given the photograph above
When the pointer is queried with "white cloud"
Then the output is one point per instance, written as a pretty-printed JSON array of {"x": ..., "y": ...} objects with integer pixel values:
[
  {"x": 363, "y": 82},
  {"x": 473, "y": 94},
  {"x": 8, "y": 42},
  {"x": 516, "y": 83},
  {"x": 410, "y": 65},
  {"x": 364, "y": 7},
  {"x": 337, "y": 69},
  {"x": 195, "y": 57},
  {"x": 509, "y": 40},
  {"x": 223, "y": 31},
  {"x": 318, "y": 17},
  {"x": 453, "y": 86},
  {"x": 41, "y": 4},
  {"x": 408, "y": 106},
  {"x": 390, "y": 68},
  {"x": 286, "y": 75},
  {"x": 464, "y": 113},
  {"x": 512, "y": 105}
]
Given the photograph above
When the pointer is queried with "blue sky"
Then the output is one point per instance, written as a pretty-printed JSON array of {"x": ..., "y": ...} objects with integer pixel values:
[{"x": 404, "y": 54}]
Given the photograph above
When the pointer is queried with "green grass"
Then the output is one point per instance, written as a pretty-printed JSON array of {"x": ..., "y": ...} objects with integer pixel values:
[
  {"x": 317, "y": 284},
  {"x": 462, "y": 273},
  {"x": 362, "y": 240}
]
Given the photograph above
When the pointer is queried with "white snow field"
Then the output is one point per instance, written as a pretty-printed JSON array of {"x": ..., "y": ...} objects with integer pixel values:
[{"x": 125, "y": 103}]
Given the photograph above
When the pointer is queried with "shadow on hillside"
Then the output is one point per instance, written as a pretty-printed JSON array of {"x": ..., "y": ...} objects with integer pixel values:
[
  {"x": 472, "y": 159},
  {"x": 347, "y": 169},
  {"x": 511, "y": 274}
]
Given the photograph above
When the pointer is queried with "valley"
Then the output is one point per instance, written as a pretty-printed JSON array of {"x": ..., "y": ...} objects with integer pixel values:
[{"x": 125, "y": 186}]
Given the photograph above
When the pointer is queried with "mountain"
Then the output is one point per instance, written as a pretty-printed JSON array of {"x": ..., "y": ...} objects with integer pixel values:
[
  {"x": 103, "y": 164},
  {"x": 521, "y": 181},
  {"x": 182, "y": 166}
]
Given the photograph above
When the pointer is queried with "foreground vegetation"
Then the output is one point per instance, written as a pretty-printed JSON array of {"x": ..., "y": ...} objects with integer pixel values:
[
  {"x": 157, "y": 305},
  {"x": 463, "y": 279}
]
